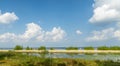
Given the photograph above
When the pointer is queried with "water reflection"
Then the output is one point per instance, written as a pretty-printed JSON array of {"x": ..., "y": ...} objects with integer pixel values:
[{"x": 114, "y": 57}]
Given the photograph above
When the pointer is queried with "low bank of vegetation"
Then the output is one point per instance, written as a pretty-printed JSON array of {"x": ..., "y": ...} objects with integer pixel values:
[
  {"x": 18, "y": 47},
  {"x": 22, "y": 59},
  {"x": 72, "y": 48},
  {"x": 29, "y": 59},
  {"x": 109, "y": 48},
  {"x": 89, "y": 48}
]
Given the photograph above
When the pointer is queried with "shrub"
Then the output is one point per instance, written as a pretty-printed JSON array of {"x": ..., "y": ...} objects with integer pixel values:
[
  {"x": 44, "y": 51},
  {"x": 18, "y": 47},
  {"x": 42, "y": 48},
  {"x": 115, "y": 48},
  {"x": 6, "y": 54},
  {"x": 71, "y": 48},
  {"x": 61, "y": 64},
  {"x": 28, "y": 48},
  {"x": 88, "y": 48},
  {"x": 107, "y": 63},
  {"x": 51, "y": 48},
  {"x": 109, "y": 48},
  {"x": 103, "y": 48}
]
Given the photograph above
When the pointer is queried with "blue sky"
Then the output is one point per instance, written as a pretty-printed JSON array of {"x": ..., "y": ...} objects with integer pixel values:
[{"x": 59, "y": 23}]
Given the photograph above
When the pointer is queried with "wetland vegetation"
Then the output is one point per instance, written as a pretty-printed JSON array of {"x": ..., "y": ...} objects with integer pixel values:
[{"x": 29, "y": 59}]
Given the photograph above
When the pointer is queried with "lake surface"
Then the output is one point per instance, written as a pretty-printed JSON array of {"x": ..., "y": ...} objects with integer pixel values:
[{"x": 114, "y": 57}]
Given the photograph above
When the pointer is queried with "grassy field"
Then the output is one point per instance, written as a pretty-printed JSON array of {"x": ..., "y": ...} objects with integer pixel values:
[{"x": 27, "y": 59}]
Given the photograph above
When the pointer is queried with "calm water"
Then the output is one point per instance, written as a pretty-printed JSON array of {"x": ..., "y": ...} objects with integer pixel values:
[{"x": 114, "y": 57}]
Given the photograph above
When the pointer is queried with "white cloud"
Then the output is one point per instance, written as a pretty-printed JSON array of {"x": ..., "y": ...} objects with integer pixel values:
[
  {"x": 102, "y": 35},
  {"x": 118, "y": 24},
  {"x": 105, "y": 34},
  {"x": 106, "y": 11},
  {"x": 34, "y": 33},
  {"x": 8, "y": 17},
  {"x": 31, "y": 31},
  {"x": 78, "y": 32},
  {"x": 7, "y": 37},
  {"x": 117, "y": 34},
  {"x": 55, "y": 35}
]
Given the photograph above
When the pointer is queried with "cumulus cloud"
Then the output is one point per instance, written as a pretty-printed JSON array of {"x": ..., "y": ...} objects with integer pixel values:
[
  {"x": 105, "y": 34},
  {"x": 117, "y": 34},
  {"x": 105, "y": 11},
  {"x": 56, "y": 34},
  {"x": 7, "y": 37},
  {"x": 35, "y": 33},
  {"x": 78, "y": 32},
  {"x": 101, "y": 35},
  {"x": 8, "y": 17},
  {"x": 32, "y": 31}
]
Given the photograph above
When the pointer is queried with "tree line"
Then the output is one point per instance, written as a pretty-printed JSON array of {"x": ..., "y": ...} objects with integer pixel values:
[{"x": 18, "y": 47}]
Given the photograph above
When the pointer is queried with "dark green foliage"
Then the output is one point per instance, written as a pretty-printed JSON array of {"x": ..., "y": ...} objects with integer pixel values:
[
  {"x": 103, "y": 48},
  {"x": 42, "y": 48},
  {"x": 44, "y": 51},
  {"x": 109, "y": 48},
  {"x": 72, "y": 48},
  {"x": 61, "y": 64},
  {"x": 28, "y": 48},
  {"x": 47, "y": 62},
  {"x": 107, "y": 63},
  {"x": 88, "y": 48},
  {"x": 81, "y": 64},
  {"x": 18, "y": 47},
  {"x": 6, "y": 54},
  {"x": 115, "y": 48},
  {"x": 51, "y": 48}
]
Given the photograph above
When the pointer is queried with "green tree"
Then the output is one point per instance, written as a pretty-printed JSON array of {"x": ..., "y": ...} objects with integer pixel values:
[
  {"x": 28, "y": 48},
  {"x": 72, "y": 48},
  {"x": 115, "y": 48},
  {"x": 51, "y": 48},
  {"x": 88, "y": 48},
  {"x": 44, "y": 51},
  {"x": 103, "y": 48},
  {"x": 18, "y": 47},
  {"x": 42, "y": 48}
]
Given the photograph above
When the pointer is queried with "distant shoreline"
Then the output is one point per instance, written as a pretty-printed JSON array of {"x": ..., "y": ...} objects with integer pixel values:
[{"x": 63, "y": 51}]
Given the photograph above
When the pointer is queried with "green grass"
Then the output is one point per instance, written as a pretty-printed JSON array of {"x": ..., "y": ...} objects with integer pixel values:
[{"x": 24, "y": 59}]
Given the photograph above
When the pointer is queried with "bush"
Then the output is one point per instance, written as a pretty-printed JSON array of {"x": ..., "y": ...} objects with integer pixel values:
[
  {"x": 44, "y": 51},
  {"x": 51, "y": 48},
  {"x": 61, "y": 64},
  {"x": 28, "y": 48},
  {"x": 107, "y": 63},
  {"x": 109, "y": 48},
  {"x": 71, "y": 48},
  {"x": 18, "y": 47},
  {"x": 42, "y": 48},
  {"x": 115, "y": 48},
  {"x": 6, "y": 54},
  {"x": 88, "y": 48},
  {"x": 103, "y": 48}
]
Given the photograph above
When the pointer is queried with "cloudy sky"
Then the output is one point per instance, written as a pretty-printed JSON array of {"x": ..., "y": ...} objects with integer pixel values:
[{"x": 59, "y": 23}]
